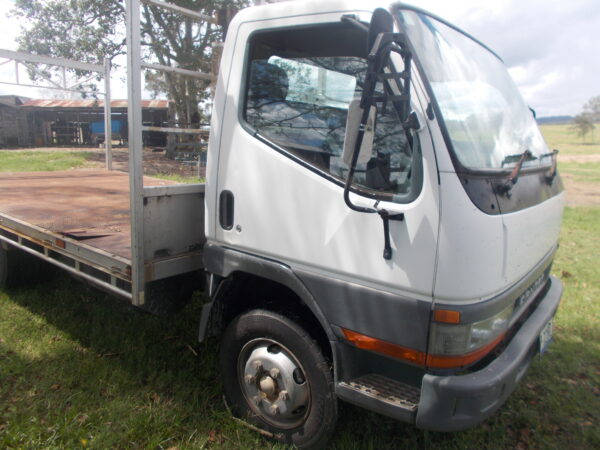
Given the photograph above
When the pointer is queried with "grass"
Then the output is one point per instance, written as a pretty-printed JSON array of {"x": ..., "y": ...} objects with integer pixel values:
[
  {"x": 564, "y": 138},
  {"x": 587, "y": 172},
  {"x": 42, "y": 161},
  {"x": 80, "y": 369},
  {"x": 11, "y": 161}
]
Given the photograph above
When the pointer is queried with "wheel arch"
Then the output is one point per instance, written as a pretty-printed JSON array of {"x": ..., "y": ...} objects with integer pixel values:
[{"x": 234, "y": 272}]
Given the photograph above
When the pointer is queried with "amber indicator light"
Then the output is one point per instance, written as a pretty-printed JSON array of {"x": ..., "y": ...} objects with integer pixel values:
[
  {"x": 446, "y": 316},
  {"x": 417, "y": 357}
]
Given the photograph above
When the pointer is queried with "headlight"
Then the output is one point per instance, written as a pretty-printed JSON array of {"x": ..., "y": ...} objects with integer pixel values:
[{"x": 458, "y": 345}]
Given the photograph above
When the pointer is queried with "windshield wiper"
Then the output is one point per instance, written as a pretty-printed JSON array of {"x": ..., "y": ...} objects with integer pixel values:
[
  {"x": 553, "y": 168},
  {"x": 504, "y": 188},
  {"x": 508, "y": 159}
]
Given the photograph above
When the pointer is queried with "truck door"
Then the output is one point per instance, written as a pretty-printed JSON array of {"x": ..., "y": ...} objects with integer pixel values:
[{"x": 281, "y": 174}]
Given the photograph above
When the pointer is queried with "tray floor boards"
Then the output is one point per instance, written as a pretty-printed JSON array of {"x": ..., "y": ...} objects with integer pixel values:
[{"x": 91, "y": 206}]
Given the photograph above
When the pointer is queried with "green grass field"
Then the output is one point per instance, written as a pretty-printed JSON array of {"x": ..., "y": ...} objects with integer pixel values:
[
  {"x": 564, "y": 138},
  {"x": 79, "y": 369},
  {"x": 36, "y": 161},
  {"x": 588, "y": 172},
  {"x": 45, "y": 161}
]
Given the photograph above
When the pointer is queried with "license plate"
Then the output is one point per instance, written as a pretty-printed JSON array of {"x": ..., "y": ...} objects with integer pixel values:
[{"x": 545, "y": 337}]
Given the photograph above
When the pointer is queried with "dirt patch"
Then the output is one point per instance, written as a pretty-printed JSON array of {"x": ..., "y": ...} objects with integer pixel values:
[{"x": 581, "y": 193}]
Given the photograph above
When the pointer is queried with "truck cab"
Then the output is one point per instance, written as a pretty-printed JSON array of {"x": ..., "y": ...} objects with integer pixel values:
[{"x": 381, "y": 216}]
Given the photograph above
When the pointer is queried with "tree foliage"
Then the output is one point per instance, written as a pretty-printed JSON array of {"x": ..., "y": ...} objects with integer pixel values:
[
  {"x": 592, "y": 107},
  {"x": 583, "y": 124},
  {"x": 91, "y": 30},
  {"x": 83, "y": 30}
]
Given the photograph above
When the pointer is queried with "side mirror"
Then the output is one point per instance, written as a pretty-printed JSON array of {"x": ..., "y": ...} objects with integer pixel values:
[
  {"x": 355, "y": 113},
  {"x": 381, "y": 22}
]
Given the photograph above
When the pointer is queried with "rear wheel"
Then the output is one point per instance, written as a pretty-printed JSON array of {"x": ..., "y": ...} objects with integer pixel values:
[{"x": 276, "y": 376}]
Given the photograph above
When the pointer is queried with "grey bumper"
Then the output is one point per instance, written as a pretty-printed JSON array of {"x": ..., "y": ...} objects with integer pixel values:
[{"x": 452, "y": 403}]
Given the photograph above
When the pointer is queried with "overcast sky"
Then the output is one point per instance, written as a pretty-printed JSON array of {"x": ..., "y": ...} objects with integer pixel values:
[{"x": 552, "y": 47}]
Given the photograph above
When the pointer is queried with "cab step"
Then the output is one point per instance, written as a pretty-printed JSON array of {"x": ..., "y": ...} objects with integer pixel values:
[{"x": 383, "y": 389}]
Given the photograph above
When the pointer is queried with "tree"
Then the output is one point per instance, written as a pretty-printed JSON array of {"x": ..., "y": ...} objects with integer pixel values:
[
  {"x": 90, "y": 30},
  {"x": 583, "y": 124},
  {"x": 592, "y": 107}
]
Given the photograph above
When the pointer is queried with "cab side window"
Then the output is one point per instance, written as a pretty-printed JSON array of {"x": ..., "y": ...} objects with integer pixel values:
[{"x": 297, "y": 97}]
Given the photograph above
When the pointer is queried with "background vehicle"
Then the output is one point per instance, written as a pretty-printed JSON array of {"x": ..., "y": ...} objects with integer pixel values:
[{"x": 378, "y": 223}]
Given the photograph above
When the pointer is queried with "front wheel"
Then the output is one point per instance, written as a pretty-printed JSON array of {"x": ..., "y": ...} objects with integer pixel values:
[{"x": 276, "y": 376}]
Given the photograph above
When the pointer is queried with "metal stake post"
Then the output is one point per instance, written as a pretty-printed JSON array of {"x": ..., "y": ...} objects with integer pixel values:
[{"x": 136, "y": 187}]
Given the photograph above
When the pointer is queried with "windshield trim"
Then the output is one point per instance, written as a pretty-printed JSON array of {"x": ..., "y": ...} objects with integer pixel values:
[{"x": 458, "y": 166}]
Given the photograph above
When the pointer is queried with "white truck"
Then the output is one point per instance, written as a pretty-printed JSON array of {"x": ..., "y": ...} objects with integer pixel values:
[{"x": 378, "y": 223}]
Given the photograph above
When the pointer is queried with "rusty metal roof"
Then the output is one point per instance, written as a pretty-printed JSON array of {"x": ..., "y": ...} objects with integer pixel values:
[
  {"x": 12, "y": 100},
  {"x": 92, "y": 103}
]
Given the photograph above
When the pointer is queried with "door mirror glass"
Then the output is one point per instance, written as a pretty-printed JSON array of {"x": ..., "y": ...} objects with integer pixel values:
[
  {"x": 355, "y": 113},
  {"x": 381, "y": 22}
]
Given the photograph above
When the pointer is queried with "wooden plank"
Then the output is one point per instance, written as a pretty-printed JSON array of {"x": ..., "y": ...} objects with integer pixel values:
[{"x": 91, "y": 202}]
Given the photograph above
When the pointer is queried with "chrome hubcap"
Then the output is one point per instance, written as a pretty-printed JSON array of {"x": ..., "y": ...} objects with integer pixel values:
[{"x": 273, "y": 383}]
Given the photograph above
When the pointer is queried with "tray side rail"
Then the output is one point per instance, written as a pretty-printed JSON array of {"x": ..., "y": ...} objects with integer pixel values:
[{"x": 108, "y": 272}]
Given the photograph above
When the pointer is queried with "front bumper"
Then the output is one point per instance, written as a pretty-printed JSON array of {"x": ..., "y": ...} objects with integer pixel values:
[{"x": 457, "y": 402}]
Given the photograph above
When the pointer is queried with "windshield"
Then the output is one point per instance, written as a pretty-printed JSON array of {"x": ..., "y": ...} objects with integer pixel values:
[{"x": 487, "y": 121}]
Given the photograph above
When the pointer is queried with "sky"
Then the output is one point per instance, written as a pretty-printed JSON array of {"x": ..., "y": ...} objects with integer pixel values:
[{"x": 551, "y": 47}]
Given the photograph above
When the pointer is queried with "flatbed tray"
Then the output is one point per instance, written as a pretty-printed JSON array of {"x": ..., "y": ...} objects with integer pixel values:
[{"x": 90, "y": 206}]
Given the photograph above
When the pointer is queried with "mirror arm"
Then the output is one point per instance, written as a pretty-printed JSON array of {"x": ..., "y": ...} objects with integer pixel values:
[
  {"x": 384, "y": 44},
  {"x": 374, "y": 68},
  {"x": 352, "y": 168},
  {"x": 401, "y": 49}
]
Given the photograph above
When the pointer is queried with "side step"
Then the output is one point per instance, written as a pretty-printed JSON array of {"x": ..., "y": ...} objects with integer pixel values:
[{"x": 381, "y": 394}]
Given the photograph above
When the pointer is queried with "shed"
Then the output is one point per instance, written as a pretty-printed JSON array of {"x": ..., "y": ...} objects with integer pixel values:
[
  {"x": 13, "y": 122},
  {"x": 81, "y": 122}
]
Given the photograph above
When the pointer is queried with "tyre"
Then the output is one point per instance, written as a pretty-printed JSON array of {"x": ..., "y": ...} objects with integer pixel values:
[{"x": 276, "y": 377}]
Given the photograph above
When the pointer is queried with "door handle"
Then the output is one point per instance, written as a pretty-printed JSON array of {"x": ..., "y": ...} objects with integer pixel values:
[{"x": 226, "y": 208}]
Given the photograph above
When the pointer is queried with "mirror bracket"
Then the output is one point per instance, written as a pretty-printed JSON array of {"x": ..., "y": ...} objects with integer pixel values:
[
  {"x": 382, "y": 41},
  {"x": 386, "y": 217},
  {"x": 412, "y": 122}
]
